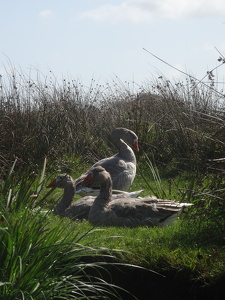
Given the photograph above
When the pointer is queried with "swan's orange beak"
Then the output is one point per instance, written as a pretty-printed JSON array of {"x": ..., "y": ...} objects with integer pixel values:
[
  {"x": 52, "y": 184},
  {"x": 135, "y": 145},
  {"x": 88, "y": 178}
]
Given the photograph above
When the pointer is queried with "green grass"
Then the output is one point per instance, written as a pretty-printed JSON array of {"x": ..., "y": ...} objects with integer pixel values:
[
  {"x": 44, "y": 256},
  {"x": 195, "y": 243},
  {"x": 42, "y": 259},
  {"x": 186, "y": 245}
]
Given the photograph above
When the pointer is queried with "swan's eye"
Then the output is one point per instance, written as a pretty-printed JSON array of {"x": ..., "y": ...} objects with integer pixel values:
[{"x": 61, "y": 177}]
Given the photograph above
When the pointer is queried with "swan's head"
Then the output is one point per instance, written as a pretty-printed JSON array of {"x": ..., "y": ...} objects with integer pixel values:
[
  {"x": 96, "y": 175},
  {"x": 60, "y": 181},
  {"x": 127, "y": 135}
]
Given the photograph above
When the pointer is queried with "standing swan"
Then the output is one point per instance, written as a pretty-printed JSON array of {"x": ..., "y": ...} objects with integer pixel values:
[
  {"x": 122, "y": 166},
  {"x": 80, "y": 208},
  {"x": 147, "y": 211}
]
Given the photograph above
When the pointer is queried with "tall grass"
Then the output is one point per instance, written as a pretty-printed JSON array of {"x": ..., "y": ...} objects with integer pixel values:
[
  {"x": 180, "y": 124},
  {"x": 38, "y": 263},
  {"x": 42, "y": 261}
]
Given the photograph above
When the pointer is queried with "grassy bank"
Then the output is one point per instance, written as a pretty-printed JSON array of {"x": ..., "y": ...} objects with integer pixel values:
[{"x": 46, "y": 257}]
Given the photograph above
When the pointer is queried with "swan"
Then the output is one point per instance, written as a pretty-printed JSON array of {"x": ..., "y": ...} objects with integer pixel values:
[
  {"x": 128, "y": 212},
  {"x": 121, "y": 166},
  {"x": 80, "y": 208}
]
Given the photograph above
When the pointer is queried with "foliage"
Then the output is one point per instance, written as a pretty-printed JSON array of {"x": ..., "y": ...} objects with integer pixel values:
[
  {"x": 39, "y": 261},
  {"x": 180, "y": 127},
  {"x": 45, "y": 257},
  {"x": 179, "y": 124}
]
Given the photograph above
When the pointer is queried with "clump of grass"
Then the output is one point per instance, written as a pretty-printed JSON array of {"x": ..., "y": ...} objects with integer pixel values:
[
  {"x": 39, "y": 263},
  {"x": 44, "y": 261}
]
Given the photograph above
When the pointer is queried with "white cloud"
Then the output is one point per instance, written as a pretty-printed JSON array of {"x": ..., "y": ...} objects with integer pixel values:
[
  {"x": 123, "y": 12},
  {"x": 190, "y": 8},
  {"x": 145, "y": 10},
  {"x": 46, "y": 14}
]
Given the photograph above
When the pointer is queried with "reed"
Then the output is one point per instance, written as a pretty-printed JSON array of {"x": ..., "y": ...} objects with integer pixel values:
[{"x": 180, "y": 124}]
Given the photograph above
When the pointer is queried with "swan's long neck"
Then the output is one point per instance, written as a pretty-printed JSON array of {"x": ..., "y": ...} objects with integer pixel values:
[
  {"x": 67, "y": 198},
  {"x": 105, "y": 194},
  {"x": 99, "y": 206},
  {"x": 124, "y": 150}
]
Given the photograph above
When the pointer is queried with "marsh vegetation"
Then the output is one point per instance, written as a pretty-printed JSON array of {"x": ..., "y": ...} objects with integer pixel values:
[{"x": 47, "y": 127}]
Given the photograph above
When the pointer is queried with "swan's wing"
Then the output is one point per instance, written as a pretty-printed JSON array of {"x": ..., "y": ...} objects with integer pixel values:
[
  {"x": 159, "y": 211},
  {"x": 133, "y": 194},
  {"x": 121, "y": 172},
  {"x": 125, "y": 207}
]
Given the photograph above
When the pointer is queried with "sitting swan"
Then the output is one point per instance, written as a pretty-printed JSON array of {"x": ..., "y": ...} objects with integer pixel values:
[
  {"x": 128, "y": 212},
  {"x": 122, "y": 166},
  {"x": 80, "y": 208}
]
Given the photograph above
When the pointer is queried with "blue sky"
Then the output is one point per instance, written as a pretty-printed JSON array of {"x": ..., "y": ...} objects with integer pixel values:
[{"x": 85, "y": 39}]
